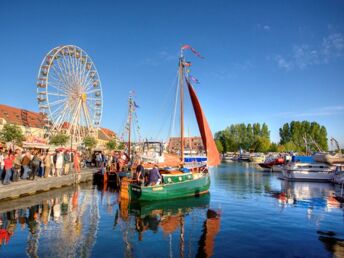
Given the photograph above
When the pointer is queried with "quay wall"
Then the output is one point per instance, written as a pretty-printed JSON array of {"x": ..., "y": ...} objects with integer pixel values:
[{"x": 30, "y": 187}]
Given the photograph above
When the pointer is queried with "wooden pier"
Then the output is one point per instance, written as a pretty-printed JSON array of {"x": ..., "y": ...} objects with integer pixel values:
[{"x": 30, "y": 187}]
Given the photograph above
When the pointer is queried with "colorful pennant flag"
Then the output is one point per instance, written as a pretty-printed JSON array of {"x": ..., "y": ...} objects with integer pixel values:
[
  {"x": 193, "y": 79},
  {"x": 193, "y": 50}
]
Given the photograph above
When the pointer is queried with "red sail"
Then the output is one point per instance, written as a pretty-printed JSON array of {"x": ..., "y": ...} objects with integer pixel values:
[{"x": 207, "y": 137}]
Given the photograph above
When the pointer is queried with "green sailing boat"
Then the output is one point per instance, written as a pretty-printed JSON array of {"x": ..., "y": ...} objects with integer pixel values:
[{"x": 178, "y": 182}]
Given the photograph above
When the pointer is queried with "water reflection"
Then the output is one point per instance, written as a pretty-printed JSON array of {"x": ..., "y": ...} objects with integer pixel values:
[
  {"x": 260, "y": 215},
  {"x": 308, "y": 194},
  {"x": 169, "y": 217},
  {"x": 63, "y": 221}
]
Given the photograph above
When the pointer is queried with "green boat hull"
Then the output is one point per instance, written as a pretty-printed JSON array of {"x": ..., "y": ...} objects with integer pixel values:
[{"x": 172, "y": 190}]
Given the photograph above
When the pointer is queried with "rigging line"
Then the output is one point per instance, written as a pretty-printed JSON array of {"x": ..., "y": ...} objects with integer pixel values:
[
  {"x": 166, "y": 98},
  {"x": 167, "y": 106},
  {"x": 173, "y": 117}
]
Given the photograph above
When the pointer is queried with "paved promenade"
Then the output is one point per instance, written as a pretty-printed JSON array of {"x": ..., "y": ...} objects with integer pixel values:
[{"x": 29, "y": 187}]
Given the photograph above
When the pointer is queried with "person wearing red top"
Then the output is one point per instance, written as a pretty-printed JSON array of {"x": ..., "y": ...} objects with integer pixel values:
[{"x": 8, "y": 168}]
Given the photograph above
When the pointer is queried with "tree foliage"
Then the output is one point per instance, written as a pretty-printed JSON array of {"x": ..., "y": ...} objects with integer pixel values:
[
  {"x": 293, "y": 134},
  {"x": 12, "y": 133},
  {"x": 90, "y": 142},
  {"x": 219, "y": 146},
  {"x": 111, "y": 145},
  {"x": 254, "y": 137},
  {"x": 121, "y": 146},
  {"x": 59, "y": 139}
]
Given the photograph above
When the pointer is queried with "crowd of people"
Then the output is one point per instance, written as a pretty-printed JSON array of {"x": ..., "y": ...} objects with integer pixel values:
[
  {"x": 118, "y": 161},
  {"x": 18, "y": 165}
]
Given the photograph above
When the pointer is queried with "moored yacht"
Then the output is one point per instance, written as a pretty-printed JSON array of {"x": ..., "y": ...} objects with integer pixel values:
[{"x": 308, "y": 172}]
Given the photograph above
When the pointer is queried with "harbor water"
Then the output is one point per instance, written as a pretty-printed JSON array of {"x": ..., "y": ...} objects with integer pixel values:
[{"x": 248, "y": 213}]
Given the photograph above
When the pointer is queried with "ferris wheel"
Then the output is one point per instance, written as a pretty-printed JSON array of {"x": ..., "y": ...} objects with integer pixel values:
[{"x": 69, "y": 92}]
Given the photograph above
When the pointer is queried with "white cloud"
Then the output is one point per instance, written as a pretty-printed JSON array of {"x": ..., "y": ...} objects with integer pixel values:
[
  {"x": 159, "y": 57},
  {"x": 303, "y": 56},
  {"x": 266, "y": 27},
  {"x": 282, "y": 63},
  {"x": 321, "y": 111},
  {"x": 263, "y": 27}
]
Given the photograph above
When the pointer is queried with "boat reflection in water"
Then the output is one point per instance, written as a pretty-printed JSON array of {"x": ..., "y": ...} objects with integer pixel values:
[
  {"x": 170, "y": 217},
  {"x": 308, "y": 195}
]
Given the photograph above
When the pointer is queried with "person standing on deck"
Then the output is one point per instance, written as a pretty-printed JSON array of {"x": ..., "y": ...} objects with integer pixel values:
[
  {"x": 154, "y": 176},
  {"x": 140, "y": 173},
  {"x": 8, "y": 163}
]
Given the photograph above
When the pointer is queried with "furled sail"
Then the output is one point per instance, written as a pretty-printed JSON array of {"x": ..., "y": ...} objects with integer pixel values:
[{"x": 207, "y": 137}]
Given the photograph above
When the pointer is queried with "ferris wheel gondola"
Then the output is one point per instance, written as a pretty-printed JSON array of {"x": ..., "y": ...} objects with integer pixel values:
[{"x": 69, "y": 92}]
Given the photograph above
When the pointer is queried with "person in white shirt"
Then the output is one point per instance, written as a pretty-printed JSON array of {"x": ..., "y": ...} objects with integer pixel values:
[
  {"x": 59, "y": 163},
  {"x": 2, "y": 163}
]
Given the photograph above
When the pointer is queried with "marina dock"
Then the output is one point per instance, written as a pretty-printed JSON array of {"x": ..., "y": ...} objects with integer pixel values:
[{"x": 28, "y": 187}]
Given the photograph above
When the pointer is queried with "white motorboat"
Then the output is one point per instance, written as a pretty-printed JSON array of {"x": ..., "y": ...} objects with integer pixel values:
[{"x": 308, "y": 172}]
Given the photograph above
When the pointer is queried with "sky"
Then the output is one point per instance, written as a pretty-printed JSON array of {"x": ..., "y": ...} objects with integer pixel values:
[{"x": 265, "y": 61}]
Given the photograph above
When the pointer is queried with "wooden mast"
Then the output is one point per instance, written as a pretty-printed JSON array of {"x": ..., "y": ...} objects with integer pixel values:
[
  {"x": 129, "y": 125},
  {"x": 181, "y": 75}
]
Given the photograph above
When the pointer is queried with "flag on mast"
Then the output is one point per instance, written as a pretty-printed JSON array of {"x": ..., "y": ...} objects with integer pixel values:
[{"x": 193, "y": 50}]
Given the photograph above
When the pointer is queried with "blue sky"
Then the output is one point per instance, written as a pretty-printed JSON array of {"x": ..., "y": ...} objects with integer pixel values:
[{"x": 265, "y": 61}]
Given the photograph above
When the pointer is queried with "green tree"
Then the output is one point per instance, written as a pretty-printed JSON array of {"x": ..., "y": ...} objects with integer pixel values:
[
  {"x": 59, "y": 139},
  {"x": 12, "y": 133},
  {"x": 290, "y": 146},
  {"x": 111, "y": 145},
  {"x": 285, "y": 134},
  {"x": 273, "y": 147},
  {"x": 90, "y": 142},
  {"x": 261, "y": 144},
  {"x": 296, "y": 132},
  {"x": 244, "y": 136},
  {"x": 265, "y": 133},
  {"x": 121, "y": 146},
  {"x": 219, "y": 146}
]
